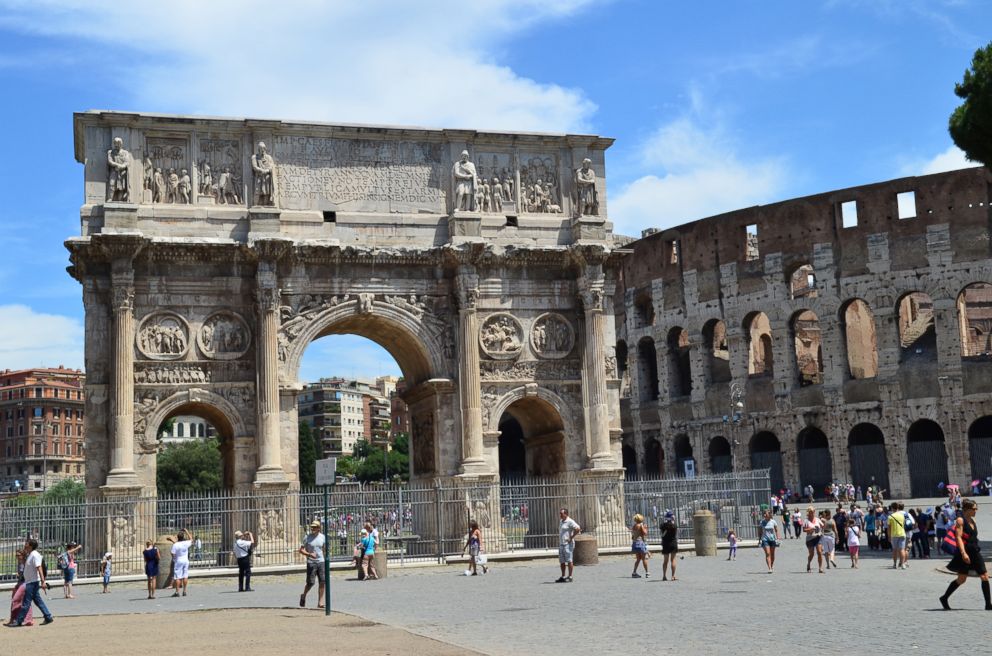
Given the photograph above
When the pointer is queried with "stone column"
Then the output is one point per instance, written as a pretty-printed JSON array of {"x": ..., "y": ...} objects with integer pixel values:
[
  {"x": 469, "y": 380},
  {"x": 122, "y": 472},
  {"x": 594, "y": 369},
  {"x": 269, "y": 455}
]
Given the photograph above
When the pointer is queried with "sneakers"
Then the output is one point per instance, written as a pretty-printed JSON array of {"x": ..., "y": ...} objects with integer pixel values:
[
  {"x": 561, "y": 579},
  {"x": 568, "y": 580},
  {"x": 635, "y": 575},
  {"x": 646, "y": 575},
  {"x": 48, "y": 620}
]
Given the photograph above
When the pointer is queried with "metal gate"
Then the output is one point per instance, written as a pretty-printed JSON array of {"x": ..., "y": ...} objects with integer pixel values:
[
  {"x": 721, "y": 464},
  {"x": 771, "y": 460},
  {"x": 869, "y": 466},
  {"x": 816, "y": 469},
  {"x": 927, "y": 467},
  {"x": 980, "y": 449}
]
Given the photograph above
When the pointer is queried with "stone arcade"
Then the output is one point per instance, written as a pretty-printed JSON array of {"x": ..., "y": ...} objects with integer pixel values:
[{"x": 213, "y": 252}]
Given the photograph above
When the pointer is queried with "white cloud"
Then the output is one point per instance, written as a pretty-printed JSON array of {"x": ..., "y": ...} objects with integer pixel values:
[
  {"x": 430, "y": 63},
  {"x": 34, "y": 339},
  {"x": 695, "y": 172},
  {"x": 951, "y": 159}
]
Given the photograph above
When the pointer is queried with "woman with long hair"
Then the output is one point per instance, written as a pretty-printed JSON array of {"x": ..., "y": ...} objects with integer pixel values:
[
  {"x": 828, "y": 542},
  {"x": 769, "y": 539},
  {"x": 969, "y": 555},
  {"x": 474, "y": 545},
  {"x": 813, "y": 528},
  {"x": 854, "y": 541},
  {"x": 639, "y": 545},
  {"x": 17, "y": 598},
  {"x": 669, "y": 545}
]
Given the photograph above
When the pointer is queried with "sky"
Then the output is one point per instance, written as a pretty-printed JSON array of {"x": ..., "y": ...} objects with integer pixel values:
[{"x": 714, "y": 106}]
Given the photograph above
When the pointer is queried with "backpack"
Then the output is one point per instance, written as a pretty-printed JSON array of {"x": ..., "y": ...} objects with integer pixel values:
[
  {"x": 62, "y": 561},
  {"x": 908, "y": 522}
]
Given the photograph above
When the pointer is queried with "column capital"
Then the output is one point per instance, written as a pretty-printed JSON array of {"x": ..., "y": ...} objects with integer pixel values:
[
  {"x": 467, "y": 287},
  {"x": 590, "y": 285}
]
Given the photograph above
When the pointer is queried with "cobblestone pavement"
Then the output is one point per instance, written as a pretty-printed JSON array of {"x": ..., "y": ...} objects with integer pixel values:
[{"x": 715, "y": 607}]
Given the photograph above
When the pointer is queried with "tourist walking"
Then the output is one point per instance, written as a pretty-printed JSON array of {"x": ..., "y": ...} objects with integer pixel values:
[
  {"x": 870, "y": 525},
  {"x": 244, "y": 544},
  {"x": 152, "y": 558},
  {"x": 639, "y": 545},
  {"x": 34, "y": 581},
  {"x": 854, "y": 541},
  {"x": 474, "y": 545},
  {"x": 813, "y": 528},
  {"x": 829, "y": 539},
  {"x": 840, "y": 523},
  {"x": 313, "y": 549},
  {"x": 969, "y": 555},
  {"x": 67, "y": 563},
  {"x": 897, "y": 536},
  {"x": 669, "y": 545},
  {"x": 797, "y": 523},
  {"x": 106, "y": 568},
  {"x": 732, "y": 545},
  {"x": 17, "y": 595},
  {"x": 769, "y": 539},
  {"x": 568, "y": 528},
  {"x": 180, "y": 561}
]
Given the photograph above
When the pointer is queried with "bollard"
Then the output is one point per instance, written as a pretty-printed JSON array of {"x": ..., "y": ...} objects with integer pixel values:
[
  {"x": 164, "y": 578},
  {"x": 704, "y": 532},
  {"x": 380, "y": 558},
  {"x": 586, "y": 550}
]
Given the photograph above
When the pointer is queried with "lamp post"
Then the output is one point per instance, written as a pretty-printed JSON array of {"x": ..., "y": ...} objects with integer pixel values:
[{"x": 735, "y": 417}]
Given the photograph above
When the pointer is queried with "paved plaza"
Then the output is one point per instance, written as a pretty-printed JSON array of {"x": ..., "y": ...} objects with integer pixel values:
[{"x": 716, "y": 606}]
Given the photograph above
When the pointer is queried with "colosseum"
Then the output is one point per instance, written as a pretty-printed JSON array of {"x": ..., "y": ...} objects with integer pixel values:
[{"x": 839, "y": 337}]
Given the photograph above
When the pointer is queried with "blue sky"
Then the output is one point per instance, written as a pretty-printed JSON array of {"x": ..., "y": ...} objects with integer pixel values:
[{"x": 714, "y": 105}]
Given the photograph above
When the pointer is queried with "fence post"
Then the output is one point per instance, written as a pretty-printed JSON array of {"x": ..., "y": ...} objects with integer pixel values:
[{"x": 439, "y": 517}]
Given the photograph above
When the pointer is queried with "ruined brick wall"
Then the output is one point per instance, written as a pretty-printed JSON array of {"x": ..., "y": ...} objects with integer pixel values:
[{"x": 868, "y": 307}]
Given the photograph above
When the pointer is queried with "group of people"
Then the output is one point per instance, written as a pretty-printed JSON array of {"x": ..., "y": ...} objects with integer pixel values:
[{"x": 669, "y": 545}]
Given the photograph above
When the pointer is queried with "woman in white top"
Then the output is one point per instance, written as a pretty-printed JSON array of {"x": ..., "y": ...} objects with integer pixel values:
[
  {"x": 180, "y": 560},
  {"x": 853, "y": 541},
  {"x": 813, "y": 528}
]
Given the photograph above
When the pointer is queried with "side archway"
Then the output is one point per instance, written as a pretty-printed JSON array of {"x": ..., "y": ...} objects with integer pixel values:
[
  {"x": 815, "y": 466},
  {"x": 683, "y": 454},
  {"x": 540, "y": 421},
  {"x": 766, "y": 452},
  {"x": 869, "y": 464},
  {"x": 721, "y": 458},
  {"x": 980, "y": 447},
  {"x": 927, "y": 458}
]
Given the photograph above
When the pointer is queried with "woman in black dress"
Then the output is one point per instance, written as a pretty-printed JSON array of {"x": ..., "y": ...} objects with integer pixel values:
[
  {"x": 669, "y": 545},
  {"x": 969, "y": 556}
]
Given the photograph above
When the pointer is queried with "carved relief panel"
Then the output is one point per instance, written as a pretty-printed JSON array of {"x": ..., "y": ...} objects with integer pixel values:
[
  {"x": 163, "y": 336},
  {"x": 496, "y": 190},
  {"x": 501, "y": 337},
  {"x": 220, "y": 171},
  {"x": 422, "y": 434},
  {"x": 167, "y": 174},
  {"x": 552, "y": 336},
  {"x": 540, "y": 185},
  {"x": 224, "y": 336}
]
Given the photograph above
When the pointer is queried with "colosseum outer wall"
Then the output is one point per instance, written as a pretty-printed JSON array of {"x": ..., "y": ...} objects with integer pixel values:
[{"x": 837, "y": 337}]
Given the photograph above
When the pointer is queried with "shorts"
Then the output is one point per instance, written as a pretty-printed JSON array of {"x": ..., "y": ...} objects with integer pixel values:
[
  {"x": 315, "y": 571},
  {"x": 828, "y": 542},
  {"x": 180, "y": 569},
  {"x": 898, "y": 544},
  {"x": 69, "y": 574},
  {"x": 565, "y": 552},
  {"x": 639, "y": 546},
  {"x": 854, "y": 549},
  {"x": 106, "y": 579},
  {"x": 473, "y": 550},
  {"x": 812, "y": 542},
  {"x": 765, "y": 542},
  {"x": 669, "y": 548}
]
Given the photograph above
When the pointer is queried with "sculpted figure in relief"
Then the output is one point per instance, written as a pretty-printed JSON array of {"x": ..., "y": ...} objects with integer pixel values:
[
  {"x": 501, "y": 335},
  {"x": 552, "y": 336},
  {"x": 158, "y": 187},
  {"x": 497, "y": 196},
  {"x": 263, "y": 166},
  {"x": 185, "y": 185},
  {"x": 585, "y": 181},
  {"x": 173, "y": 189},
  {"x": 163, "y": 337},
  {"x": 118, "y": 162},
  {"x": 223, "y": 335},
  {"x": 227, "y": 190},
  {"x": 466, "y": 182},
  {"x": 206, "y": 180},
  {"x": 147, "y": 173}
]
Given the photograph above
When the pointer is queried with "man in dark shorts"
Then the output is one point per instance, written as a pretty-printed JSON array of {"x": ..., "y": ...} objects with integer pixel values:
[{"x": 313, "y": 549}]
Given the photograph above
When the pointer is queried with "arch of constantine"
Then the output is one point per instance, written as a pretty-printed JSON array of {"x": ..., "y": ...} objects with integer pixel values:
[{"x": 214, "y": 251}]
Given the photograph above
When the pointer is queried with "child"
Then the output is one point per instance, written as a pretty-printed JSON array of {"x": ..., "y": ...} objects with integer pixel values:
[
  {"x": 732, "y": 539},
  {"x": 105, "y": 568}
]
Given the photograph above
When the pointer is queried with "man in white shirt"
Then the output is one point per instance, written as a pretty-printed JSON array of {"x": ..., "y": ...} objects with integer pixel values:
[
  {"x": 34, "y": 581},
  {"x": 180, "y": 560},
  {"x": 567, "y": 530},
  {"x": 243, "y": 543}
]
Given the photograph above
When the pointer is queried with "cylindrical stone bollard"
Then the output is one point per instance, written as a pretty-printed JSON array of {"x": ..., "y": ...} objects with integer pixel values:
[
  {"x": 704, "y": 532},
  {"x": 380, "y": 559},
  {"x": 586, "y": 550},
  {"x": 164, "y": 578}
]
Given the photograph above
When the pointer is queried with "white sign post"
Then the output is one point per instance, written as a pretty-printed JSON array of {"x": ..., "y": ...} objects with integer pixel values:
[
  {"x": 325, "y": 478},
  {"x": 325, "y": 471}
]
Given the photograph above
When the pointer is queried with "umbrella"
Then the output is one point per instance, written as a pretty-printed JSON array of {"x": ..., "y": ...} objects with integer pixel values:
[
  {"x": 975, "y": 483},
  {"x": 952, "y": 486}
]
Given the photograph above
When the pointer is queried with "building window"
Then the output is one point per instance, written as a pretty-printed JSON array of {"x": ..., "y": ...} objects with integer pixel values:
[
  {"x": 180, "y": 430},
  {"x": 55, "y": 429},
  {"x": 37, "y": 392},
  {"x": 37, "y": 449},
  {"x": 37, "y": 412},
  {"x": 37, "y": 429},
  {"x": 55, "y": 448},
  {"x": 56, "y": 412},
  {"x": 20, "y": 449}
]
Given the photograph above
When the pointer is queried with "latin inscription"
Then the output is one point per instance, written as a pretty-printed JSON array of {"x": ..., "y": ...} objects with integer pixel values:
[{"x": 359, "y": 175}]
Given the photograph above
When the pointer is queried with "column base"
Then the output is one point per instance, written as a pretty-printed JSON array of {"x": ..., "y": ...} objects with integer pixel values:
[
  {"x": 122, "y": 479},
  {"x": 475, "y": 467},
  {"x": 269, "y": 475},
  {"x": 603, "y": 461}
]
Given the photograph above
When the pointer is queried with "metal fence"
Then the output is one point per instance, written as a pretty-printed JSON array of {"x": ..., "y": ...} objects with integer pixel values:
[{"x": 424, "y": 520}]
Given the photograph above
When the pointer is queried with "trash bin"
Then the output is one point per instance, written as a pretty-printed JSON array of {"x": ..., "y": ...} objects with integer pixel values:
[
  {"x": 704, "y": 532},
  {"x": 586, "y": 550}
]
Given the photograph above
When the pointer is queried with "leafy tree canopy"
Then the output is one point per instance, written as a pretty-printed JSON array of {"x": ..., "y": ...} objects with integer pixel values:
[
  {"x": 971, "y": 123},
  {"x": 193, "y": 466}
]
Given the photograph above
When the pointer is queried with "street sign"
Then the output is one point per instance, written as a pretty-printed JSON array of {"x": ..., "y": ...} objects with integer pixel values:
[{"x": 325, "y": 471}]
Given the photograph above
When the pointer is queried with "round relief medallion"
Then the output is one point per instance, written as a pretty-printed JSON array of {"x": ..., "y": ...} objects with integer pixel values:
[
  {"x": 163, "y": 336},
  {"x": 552, "y": 336},
  {"x": 224, "y": 336},
  {"x": 501, "y": 337}
]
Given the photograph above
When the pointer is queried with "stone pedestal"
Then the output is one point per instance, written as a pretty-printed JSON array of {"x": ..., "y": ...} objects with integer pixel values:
[
  {"x": 126, "y": 522},
  {"x": 704, "y": 532},
  {"x": 586, "y": 550},
  {"x": 120, "y": 217},
  {"x": 588, "y": 228},
  {"x": 602, "y": 513},
  {"x": 465, "y": 224},
  {"x": 263, "y": 220}
]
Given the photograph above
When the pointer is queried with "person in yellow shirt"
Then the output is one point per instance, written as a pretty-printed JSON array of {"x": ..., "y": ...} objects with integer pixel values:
[{"x": 897, "y": 535}]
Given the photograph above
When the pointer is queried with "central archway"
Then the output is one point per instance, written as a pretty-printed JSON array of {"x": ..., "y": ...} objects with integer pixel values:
[
  {"x": 869, "y": 464},
  {"x": 815, "y": 467},
  {"x": 532, "y": 434}
]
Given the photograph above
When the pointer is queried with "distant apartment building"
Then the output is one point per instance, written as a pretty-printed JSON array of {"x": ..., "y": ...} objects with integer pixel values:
[
  {"x": 399, "y": 413},
  {"x": 340, "y": 412},
  {"x": 41, "y": 428},
  {"x": 186, "y": 428}
]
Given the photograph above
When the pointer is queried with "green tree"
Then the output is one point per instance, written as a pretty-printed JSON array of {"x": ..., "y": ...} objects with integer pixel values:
[
  {"x": 401, "y": 443},
  {"x": 362, "y": 449},
  {"x": 66, "y": 491},
  {"x": 192, "y": 466},
  {"x": 346, "y": 467},
  {"x": 372, "y": 469},
  {"x": 307, "y": 451},
  {"x": 971, "y": 123}
]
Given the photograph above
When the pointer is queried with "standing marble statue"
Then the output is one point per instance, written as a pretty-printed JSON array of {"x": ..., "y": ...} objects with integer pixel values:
[
  {"x": 263, "y": 166},
  {"x": 118, "y": 162},
  {"x": 463, "y": 173},
  {"x": 585, "y": 181}
]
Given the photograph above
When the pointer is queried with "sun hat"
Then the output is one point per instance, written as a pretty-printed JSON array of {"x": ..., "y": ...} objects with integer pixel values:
[
  {"x": 315, "y": 524},
  {"x": 238, "y": 534}
]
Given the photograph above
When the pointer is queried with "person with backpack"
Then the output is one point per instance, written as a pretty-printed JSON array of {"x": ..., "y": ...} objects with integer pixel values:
[
  {"x": 967, "y": 554},
  {"x": 66, "y": 562}
]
